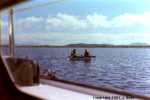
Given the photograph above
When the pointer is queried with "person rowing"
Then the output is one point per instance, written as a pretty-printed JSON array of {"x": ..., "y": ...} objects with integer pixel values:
[
  {"x": 86, "y": 53},
  {"x": 73, "y": 53}
]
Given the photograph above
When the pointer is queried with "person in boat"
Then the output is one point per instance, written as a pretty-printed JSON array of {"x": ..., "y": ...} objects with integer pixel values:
[
  {"x": 73, "y": 53},
  {"x": 86, "y": 53}
]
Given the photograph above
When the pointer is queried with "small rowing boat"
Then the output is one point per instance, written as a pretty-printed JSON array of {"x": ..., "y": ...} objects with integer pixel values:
[{"x": 81, "y": 58}]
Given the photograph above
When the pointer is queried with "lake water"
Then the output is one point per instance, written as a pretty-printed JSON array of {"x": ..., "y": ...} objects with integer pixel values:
[{"x": 124, "y": 68}]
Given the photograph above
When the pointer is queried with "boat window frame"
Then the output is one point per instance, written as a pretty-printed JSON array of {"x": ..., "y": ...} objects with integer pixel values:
[{"x": 5, "y": 70}]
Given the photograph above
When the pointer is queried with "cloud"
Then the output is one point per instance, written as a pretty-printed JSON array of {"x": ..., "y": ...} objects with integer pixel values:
[
  {"x": 66, "y": 21},
  {"x": 65, "y": 28},
  {"x": 75, "y": 22},
  {"x": 29, "y": 24},
  {"x": 70, "y": 23},
  {"x": 99, "y": 21},
  {"x": 129, "y": 20}
]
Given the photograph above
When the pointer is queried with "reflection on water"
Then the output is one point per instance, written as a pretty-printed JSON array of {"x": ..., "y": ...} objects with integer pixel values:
[{"x": 125, "y": 68}]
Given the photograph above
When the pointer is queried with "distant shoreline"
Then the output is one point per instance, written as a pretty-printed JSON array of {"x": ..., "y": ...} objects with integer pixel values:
[{"x": 113, "y": 46}]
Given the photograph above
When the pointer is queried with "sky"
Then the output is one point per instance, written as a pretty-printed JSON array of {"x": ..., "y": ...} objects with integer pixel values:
[{"x": 62, "y": 22}]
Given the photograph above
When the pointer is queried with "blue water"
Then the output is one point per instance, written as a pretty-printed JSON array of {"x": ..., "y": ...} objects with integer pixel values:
[{"x": 124, "y": 68}]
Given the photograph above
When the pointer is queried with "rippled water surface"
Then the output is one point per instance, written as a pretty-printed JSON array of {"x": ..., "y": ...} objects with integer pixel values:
[{"x": 125, "y": 68}]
